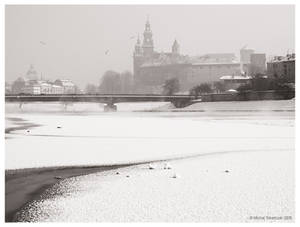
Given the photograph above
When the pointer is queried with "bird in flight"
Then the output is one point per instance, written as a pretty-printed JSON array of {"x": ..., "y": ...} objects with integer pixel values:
[{"x": 43, "y": 43}]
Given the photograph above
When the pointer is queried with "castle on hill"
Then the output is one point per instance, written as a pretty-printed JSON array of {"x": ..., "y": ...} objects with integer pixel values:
[{"x": 151, "y": 68}]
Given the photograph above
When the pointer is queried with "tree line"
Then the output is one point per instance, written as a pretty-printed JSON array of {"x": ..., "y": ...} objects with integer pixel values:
[{"x": 112, "y": 83}]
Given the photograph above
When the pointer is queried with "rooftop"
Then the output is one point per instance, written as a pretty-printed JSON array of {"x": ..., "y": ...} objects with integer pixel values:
[
  {"x": 162, "y": 59},
  {"x": 288, "y": 57},
  {"x": 233, "y": 77}
]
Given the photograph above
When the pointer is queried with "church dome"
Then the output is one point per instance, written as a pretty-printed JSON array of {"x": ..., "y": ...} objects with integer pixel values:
[{"x": 31, "y": 73}]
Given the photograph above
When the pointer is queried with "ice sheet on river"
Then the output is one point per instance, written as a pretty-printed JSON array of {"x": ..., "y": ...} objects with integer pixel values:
[
  {"x": 244, "y": 167},
  {"x": 112, "y": 138}
]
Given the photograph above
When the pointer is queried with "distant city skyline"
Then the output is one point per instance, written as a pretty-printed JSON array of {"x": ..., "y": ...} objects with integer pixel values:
[{"x": 82, "y": 42}]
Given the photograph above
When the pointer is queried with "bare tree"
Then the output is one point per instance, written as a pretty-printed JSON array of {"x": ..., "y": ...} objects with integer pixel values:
[
  {"x": 110, "y": 83},
  {"x": 91, "y": 89},
  {"x": 201, "y": 89},
  {"x": 126, "y": 82},
  {"x": 18, "y": 85},
  {"x": 171, "y": 86},
  {"x": 219, "y": 86}
]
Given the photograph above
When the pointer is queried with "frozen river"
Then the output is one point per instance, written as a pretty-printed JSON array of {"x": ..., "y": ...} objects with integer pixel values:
[
  {"x": 85, "y": 135},
  {"x": 254, "y": 141}
]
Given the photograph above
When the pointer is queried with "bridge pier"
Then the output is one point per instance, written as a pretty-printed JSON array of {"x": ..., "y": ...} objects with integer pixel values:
[
  {"x": 65, "y": 106},
  {"x": 181, "y": 103},
  {"x": 110, "y": 107}
]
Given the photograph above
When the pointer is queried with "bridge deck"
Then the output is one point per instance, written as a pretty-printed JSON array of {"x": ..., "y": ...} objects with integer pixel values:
[{"x": 104, "y": 98}]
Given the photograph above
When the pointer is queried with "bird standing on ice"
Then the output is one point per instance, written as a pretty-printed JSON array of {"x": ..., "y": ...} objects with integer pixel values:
[
  {"x": 167, "y": 166},
  {"x": 151, "y": 166},
  {"x": 176, "y": 175}
]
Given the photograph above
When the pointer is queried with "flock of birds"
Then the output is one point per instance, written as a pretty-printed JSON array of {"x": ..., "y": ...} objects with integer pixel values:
[
  {"x": 167, "y": 165},
  {"x": 28, "y": 131},
  {"x": 43, "y": 43},
  {"x": 152, "y": 166}
]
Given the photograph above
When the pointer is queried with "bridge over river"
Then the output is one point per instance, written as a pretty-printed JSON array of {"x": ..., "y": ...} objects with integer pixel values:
[{"x": 110, "y": 100}]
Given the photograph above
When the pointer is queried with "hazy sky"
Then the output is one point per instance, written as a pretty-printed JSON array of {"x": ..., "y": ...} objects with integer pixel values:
[{"x": 71, "y": 41}]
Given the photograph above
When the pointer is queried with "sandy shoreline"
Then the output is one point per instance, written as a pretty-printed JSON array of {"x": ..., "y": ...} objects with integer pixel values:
[{"x": 25, "y": 185}]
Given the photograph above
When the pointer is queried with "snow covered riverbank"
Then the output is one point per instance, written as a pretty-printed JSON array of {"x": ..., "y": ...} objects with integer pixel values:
[{"x": 231, "y": 187}]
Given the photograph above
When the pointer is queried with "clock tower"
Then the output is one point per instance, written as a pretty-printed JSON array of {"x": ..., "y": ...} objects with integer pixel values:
[{"x": 148, "y": 41}]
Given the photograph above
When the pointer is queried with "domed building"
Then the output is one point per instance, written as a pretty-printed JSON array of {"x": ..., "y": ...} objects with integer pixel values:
[{"x": 32, "y": 73}]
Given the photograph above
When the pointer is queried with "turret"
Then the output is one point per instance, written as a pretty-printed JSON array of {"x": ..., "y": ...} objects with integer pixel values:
[
  {"x": 138, "y": 59},
  {"x": 138, "y": 51}
]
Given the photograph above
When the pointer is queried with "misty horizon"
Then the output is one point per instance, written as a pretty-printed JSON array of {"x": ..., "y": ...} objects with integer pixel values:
[{"x": 71, "y": 42}]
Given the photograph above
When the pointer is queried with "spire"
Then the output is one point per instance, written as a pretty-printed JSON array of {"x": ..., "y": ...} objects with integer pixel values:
[
  {"x": 138, "y": 48},
  {"x": 148, "y": 41},
  {"x": 147, "y": 25}
]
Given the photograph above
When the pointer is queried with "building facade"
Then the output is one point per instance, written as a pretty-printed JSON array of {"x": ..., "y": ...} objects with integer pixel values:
[
  {"x": 282, "y": 67},
  {"x": 30, "y": 84},
  {"x": 257, "y": 64},
  {"x": 245, "y": 55},
  {"x": 234, "y": 82},
  {"x": 151, "y": 69},
  {"x": 32, "y": 89},
  {"x": 68, "y": 86}
]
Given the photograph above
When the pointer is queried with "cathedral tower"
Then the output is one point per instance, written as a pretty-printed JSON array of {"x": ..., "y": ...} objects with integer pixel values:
[
  {"x": 148, "y": 41},
  {"x": 138, "y": 58}
]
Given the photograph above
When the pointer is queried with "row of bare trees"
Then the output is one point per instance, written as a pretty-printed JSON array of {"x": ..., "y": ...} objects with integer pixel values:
[
  {"x": 122, "y": 83},
  {"x": 260, "y": 83},
  {"x": 172, "y": 86},
  {"x": 112, "y": 83}
]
